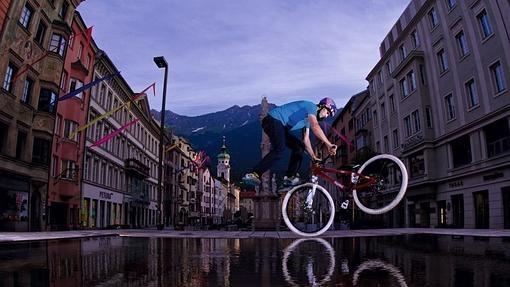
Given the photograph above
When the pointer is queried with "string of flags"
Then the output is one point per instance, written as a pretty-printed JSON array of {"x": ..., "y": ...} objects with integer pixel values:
[{"x": 136, "y": 98}]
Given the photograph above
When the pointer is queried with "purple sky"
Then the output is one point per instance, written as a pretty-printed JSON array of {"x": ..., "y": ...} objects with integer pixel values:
[{"x": 227, "y": 52}]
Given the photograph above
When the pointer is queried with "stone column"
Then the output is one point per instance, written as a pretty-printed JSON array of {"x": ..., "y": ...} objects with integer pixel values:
[{"x": 266, "y": 204}]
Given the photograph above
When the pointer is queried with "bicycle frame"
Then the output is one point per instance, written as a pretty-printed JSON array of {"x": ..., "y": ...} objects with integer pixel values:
[{"x": 321, "y": 172}]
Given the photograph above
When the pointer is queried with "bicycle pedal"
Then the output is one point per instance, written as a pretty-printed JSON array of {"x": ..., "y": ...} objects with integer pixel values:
[{"x": 345, "y": 204}]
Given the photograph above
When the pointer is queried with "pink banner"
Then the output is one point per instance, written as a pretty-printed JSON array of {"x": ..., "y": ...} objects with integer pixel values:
[
  {"x": 113, "y": 134},
  {"x": 338, "y": 134}
]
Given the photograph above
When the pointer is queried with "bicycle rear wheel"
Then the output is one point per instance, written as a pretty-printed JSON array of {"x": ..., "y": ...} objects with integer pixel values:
[
  {"x": 308, "y": 210},
  {"x": 381, "y": 185}
]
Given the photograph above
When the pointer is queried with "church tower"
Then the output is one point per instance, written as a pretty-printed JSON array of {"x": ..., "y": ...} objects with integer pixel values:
[{"x": 223, "y": 167}]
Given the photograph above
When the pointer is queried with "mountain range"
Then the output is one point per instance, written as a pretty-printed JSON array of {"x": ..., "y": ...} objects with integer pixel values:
[{"x": 241, "y": 128}]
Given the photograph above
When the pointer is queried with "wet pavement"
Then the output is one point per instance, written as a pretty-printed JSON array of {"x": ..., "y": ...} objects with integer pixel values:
[
  {"x": 29, "y": 236},
  {"x": 129, "y": 260}
]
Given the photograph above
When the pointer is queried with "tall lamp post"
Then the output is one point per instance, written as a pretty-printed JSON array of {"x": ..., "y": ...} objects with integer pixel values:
[{"x": 161, "y": 63}]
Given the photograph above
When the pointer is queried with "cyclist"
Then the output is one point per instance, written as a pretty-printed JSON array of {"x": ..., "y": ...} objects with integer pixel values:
[{"x": 289, "y": 125}]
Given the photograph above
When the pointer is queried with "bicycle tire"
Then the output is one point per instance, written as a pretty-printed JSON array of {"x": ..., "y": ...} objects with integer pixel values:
[
  {"x": 286, "y": 216},
  {"x": 400, "y": 194}
]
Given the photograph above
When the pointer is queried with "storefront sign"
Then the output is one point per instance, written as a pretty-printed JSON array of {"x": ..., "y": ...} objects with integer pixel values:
[
  {"x": 458, "y": 183},
  {"x": 105, "y": 195}
]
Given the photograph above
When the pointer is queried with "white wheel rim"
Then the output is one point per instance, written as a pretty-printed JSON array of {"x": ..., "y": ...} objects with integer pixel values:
[
  {"x": 286, "y": 217},
  {"x": 401, "y": 191}
]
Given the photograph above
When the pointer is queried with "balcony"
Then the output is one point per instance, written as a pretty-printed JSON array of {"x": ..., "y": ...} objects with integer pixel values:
[{"x": 136, "y": 168}]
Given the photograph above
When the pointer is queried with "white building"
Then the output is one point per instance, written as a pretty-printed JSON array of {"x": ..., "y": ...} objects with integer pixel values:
[{"x": 120, "y": 176}]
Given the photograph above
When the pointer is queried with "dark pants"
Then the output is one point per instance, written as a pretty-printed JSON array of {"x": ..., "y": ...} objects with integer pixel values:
[{"x": 279, "y": 136}]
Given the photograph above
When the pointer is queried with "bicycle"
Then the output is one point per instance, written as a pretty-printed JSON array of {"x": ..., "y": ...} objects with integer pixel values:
[{"x": 377, "y": 187}]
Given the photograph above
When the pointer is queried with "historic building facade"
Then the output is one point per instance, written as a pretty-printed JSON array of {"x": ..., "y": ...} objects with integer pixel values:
[
  {"x": 440, "y": 101},
  {"x": 120, "y": 175},
  {"x": 33, "y": 45},
  {"x": 64, "y": 198}
]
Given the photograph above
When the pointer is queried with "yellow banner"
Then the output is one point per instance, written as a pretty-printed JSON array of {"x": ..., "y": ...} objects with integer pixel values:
[{"x": 107, "y": 114}]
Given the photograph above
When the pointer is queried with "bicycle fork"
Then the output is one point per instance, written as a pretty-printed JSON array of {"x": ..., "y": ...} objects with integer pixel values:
[{"x": 311, "y": 192}]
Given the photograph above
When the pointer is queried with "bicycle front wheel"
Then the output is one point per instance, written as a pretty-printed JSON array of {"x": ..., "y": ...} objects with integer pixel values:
[
  {"x": 308, "y": 210},
  {"x": 381, "y": 184}
]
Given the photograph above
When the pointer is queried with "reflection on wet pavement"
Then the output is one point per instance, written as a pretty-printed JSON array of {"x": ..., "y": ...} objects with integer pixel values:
[{"x": 411, "y": 260}]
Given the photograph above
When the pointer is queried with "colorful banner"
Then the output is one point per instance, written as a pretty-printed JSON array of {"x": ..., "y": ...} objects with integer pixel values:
[
  {"x": 136, "y": 97},
  {"x": 114, "y": 133},
  {"x": 24, "y": 70},
  {"x": 342, "y": 137},
  {"x": 86, "y": 87}
]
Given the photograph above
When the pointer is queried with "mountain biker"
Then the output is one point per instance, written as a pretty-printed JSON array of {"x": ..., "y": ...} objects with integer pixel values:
[{"x": 289, "y": 125}]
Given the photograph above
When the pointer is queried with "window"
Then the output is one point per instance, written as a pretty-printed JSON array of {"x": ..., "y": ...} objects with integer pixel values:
[
  {"x": 47, "y": 101},
  {"x": 9, "y": 74},
  {"x": 70, "y": 127},
  {"x": 109, "y": 101},
  {"x": 392, "y": 103},
  {"x": 472, "y": 94},
  {"x": 386, "y": 145},
  {"x": 414, "y": 39},
  {"x": 461, "y": 151},
  {"x": 451, "y": 4},
  {"x": 26, "y": 16},
  {"x": 63, "y": 81},
  {"x": 41, "y": 32},
  {"x": 69, "y": 170},
  {"x": 86, "y": 166},
  {"x": 416, "y": 121},
  {"x": 497, "y": 137},
  {"x": 375, "y": 117},
  {"x": 412, "y": 81},
  {"x": 428, "y": 113},
  {"x": 41, "y": 151},
  {"x": 80, "y": 50},
  {"x": 57, "y": 44},
  {"x": 4, "y": 132},
  {"x": 20, "y": 144},
  {"x": 63, "y": 10},
  {"x": 395, "y": 139},
  {"x": 498, "y": 77},
  {"x": 442, "y": 60},
  {"x": 403, "y": 53},
  {"x": 417, "y": 164},
  {"x": 388, "y": 69},
  {"x": 462, "y": 44},
  {"x": 485, "y": 25},
  {"x": 76, "y": 84},
  {"x": 404, "y": 88},
  {"x": 408, "y": 127},
  {"x": 27, "y": 90},
  {"x": 383, "y": 111},
  {"x": 102, "y": 94},
  {"x": 58, "y": 124},
  {"x": 433, "y": 18},
  {"x": 449, "y": 107}
]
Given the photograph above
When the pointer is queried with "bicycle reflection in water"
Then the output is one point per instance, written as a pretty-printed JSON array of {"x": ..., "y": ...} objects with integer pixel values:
[{"x": 312, "y": 253}]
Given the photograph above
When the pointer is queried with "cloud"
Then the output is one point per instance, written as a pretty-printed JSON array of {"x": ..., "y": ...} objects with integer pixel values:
[{"x": 224, "y": 52}]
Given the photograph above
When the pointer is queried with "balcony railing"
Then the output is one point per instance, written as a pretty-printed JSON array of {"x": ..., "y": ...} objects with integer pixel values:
[
  {"x": 498, "y": 147},
  {"x": 136, "y": 167}
]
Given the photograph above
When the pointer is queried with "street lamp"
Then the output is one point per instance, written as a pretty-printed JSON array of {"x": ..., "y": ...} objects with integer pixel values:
[{"x": 161, "y": 63}]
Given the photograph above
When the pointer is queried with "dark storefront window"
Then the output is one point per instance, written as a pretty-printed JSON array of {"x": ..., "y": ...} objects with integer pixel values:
[
  {"x": 458, "y": 210},
  {"x": 481, "y": 200}
]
